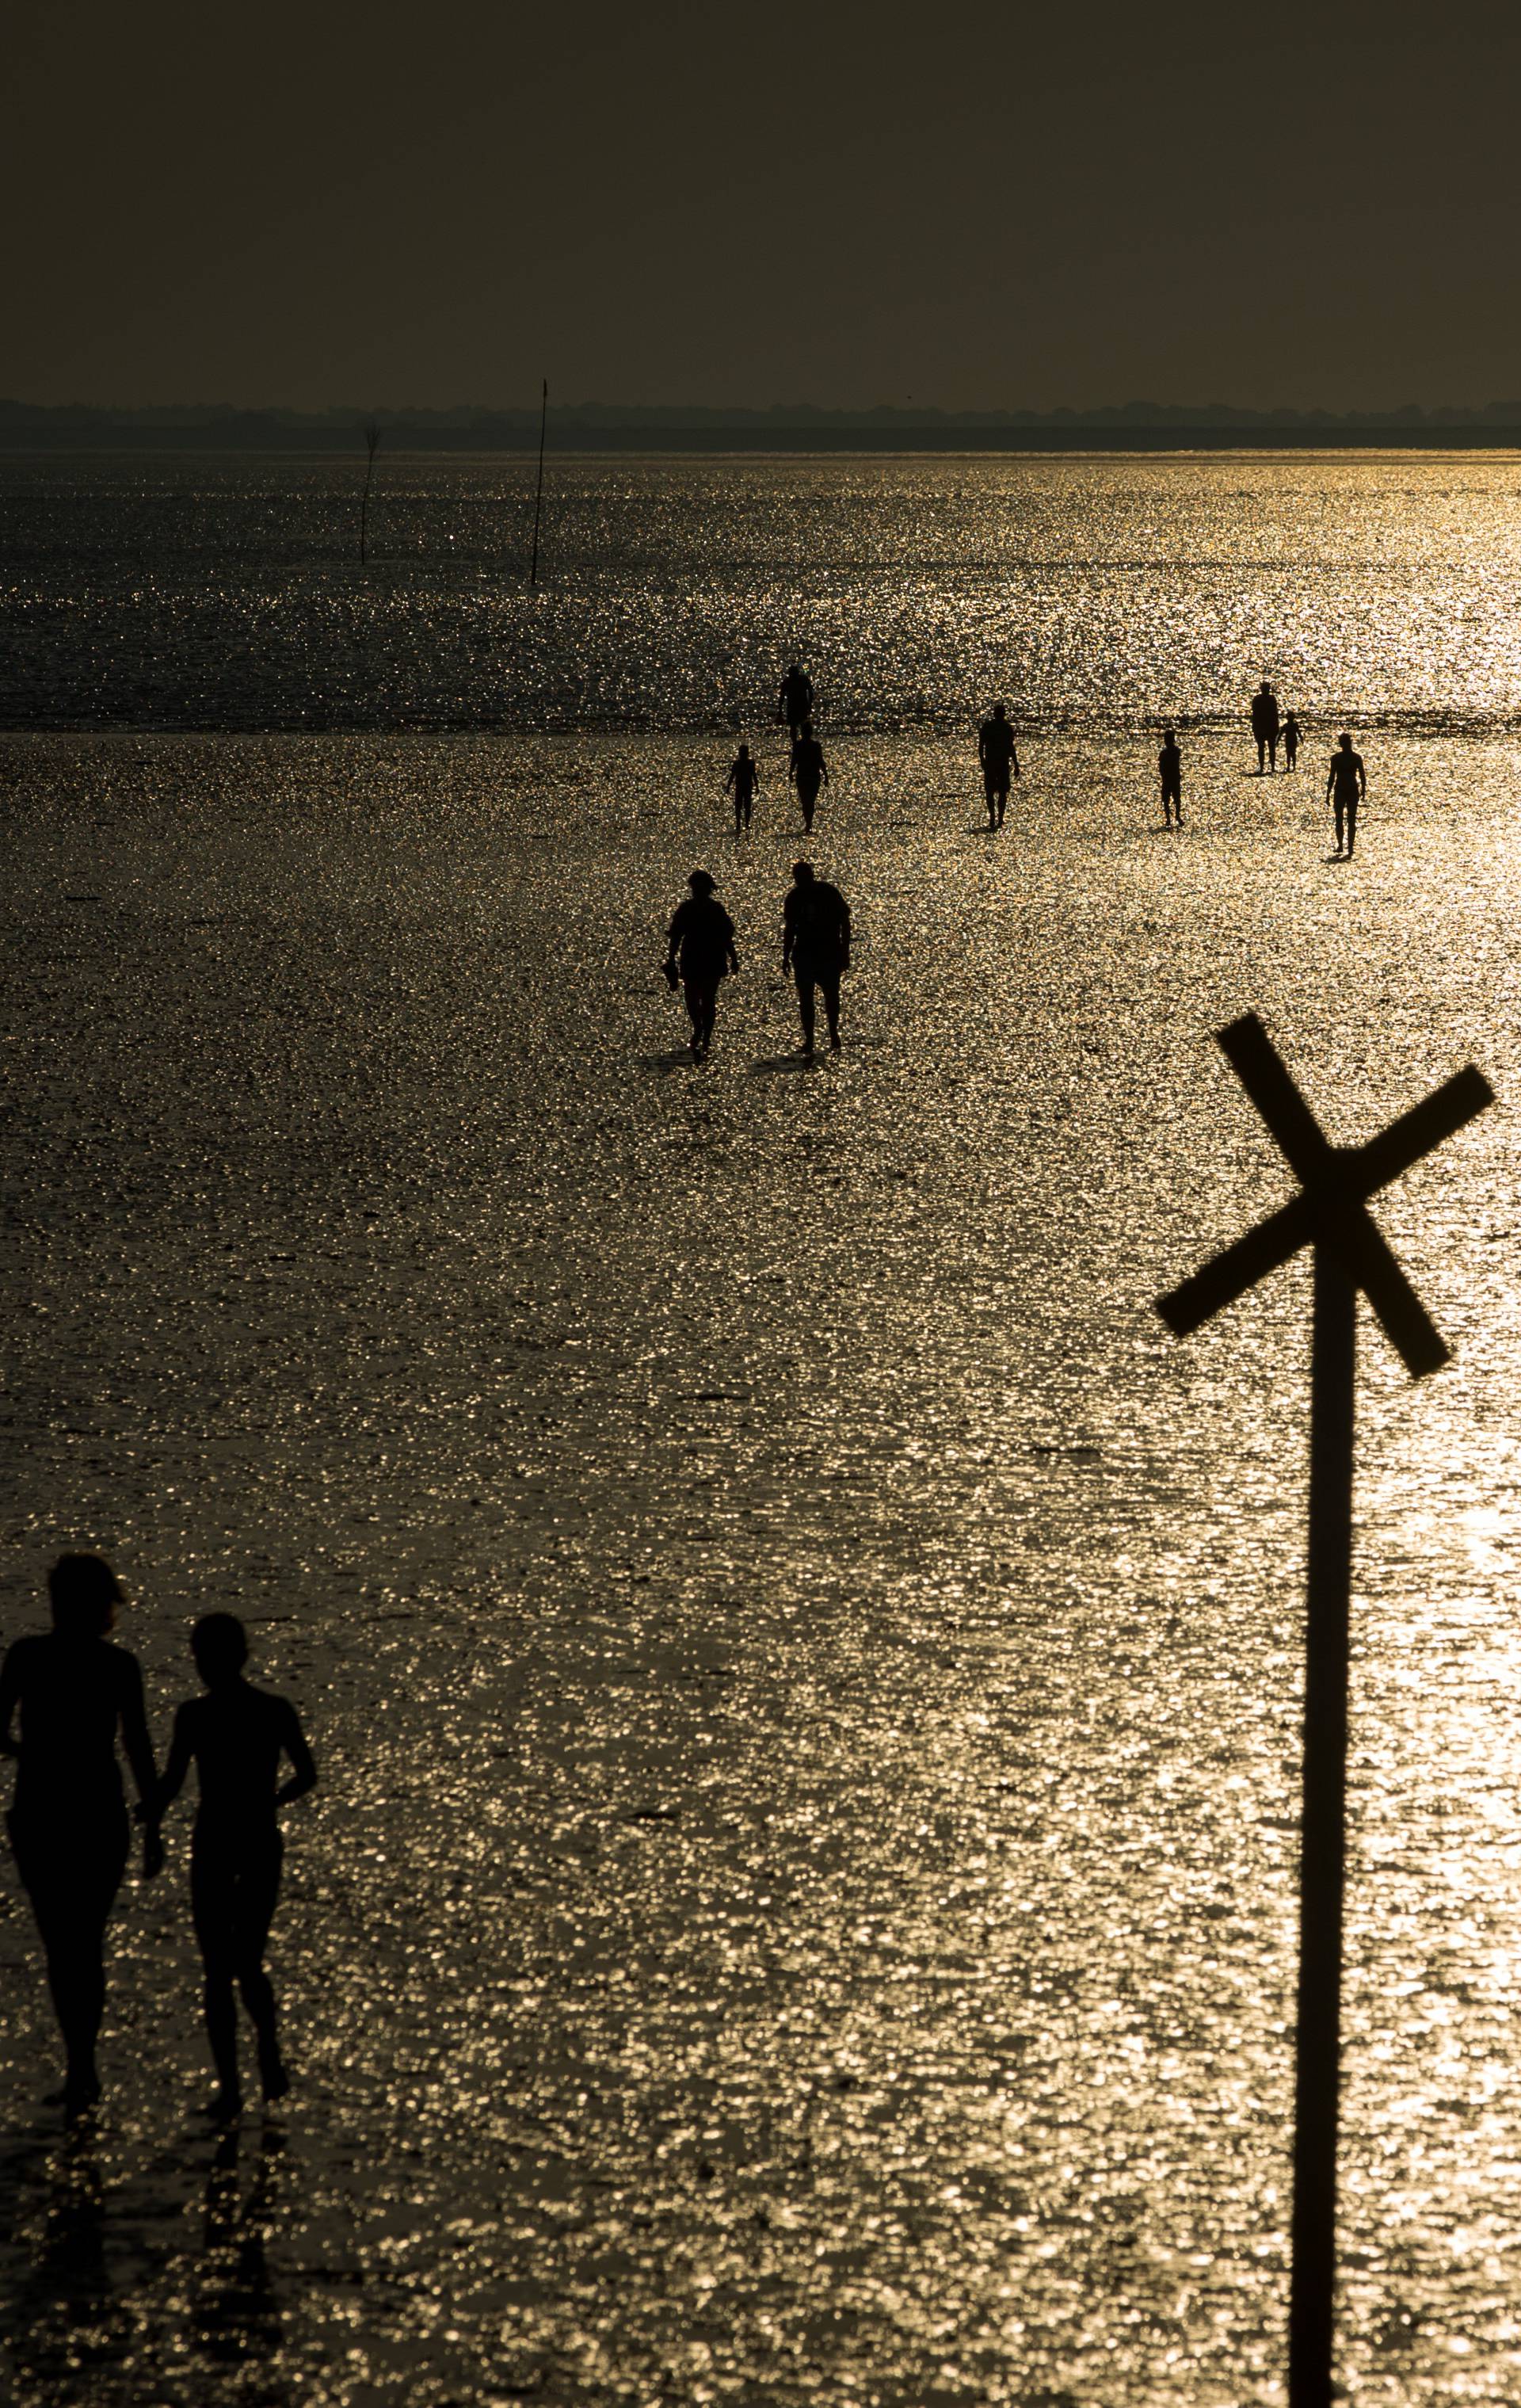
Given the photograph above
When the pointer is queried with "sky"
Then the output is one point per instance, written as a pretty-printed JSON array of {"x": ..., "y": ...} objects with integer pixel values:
[{"x": 971, "y": 206}]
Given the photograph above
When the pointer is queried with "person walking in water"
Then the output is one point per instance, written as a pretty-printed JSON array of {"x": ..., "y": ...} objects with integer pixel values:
[
  {"x": 998, "y": 758},
  {"x": 815, "y": 947},
  {"x": 1169, "y": 769},
  {"x": 1346, "y": 785},
  {"x": 1291, "y": 741},
  {"x": 808, "y": 772},
  {"x": 700, "y": 951},
  {"x": 1264, "y": 727},
  {"x": 741, "y": 783},
  {"x": 794, "y": 704},
  {"x": 76, "y": 1694},
  {"x": 236, "y": 1736}
]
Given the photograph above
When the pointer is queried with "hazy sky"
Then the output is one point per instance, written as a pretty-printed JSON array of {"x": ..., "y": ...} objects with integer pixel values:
[{"x": 971, "y": 204}]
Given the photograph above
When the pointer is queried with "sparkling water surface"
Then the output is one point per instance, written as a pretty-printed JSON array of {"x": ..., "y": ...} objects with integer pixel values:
[
  {"x": 800, "y": 1904},
  {"x": 184, "y": 591}
]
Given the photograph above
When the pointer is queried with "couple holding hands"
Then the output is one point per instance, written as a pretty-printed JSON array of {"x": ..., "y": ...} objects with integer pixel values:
[{"x": 66, "y": 1695}]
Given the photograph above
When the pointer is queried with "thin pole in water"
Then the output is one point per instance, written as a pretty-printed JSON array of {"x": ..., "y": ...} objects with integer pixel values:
[
  {"x": 372, "y": 437},
  {"x": 539, "y": 498}
]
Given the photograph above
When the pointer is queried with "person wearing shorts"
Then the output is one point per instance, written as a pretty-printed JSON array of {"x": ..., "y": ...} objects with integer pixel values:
[
  {"x": 700, "y": 951},
  {"x": 996, "y": 752},
  {"x": 815, "y": 948}
]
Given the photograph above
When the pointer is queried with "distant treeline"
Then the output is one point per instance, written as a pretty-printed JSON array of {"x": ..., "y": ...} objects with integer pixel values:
[{"x": 603, "y": 427}]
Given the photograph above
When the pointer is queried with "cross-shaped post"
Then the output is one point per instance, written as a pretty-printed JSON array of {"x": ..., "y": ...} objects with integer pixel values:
[{"x": 1330, "y": 1214}]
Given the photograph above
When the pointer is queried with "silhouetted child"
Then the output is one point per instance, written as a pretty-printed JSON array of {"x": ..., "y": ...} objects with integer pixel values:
[
  {"x": 1291, "y": 741},
  {"x": 743, "y": 779},
  {"x": 1169, "y": 769},
  {"x": 236, "y": 1736}
]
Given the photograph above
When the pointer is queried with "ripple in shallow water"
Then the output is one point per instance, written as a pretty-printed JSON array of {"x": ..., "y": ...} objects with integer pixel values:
[{"x": 800, "y": 1904}]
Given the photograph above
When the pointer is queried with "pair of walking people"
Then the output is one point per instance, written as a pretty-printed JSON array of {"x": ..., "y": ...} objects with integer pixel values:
[
  {"x": 67, "y": 1697},
  {"x": 807, "y": 769},
  {"x": 815, "y": 950},
  {"x": 1270, "y": 728}
]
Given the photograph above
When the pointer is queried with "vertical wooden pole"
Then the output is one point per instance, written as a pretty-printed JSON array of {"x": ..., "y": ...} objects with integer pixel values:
[
  {"x": 372, "y": 436},
  {"x": 539, "y": 498},
  {"x": 1323, "y": 1836}
]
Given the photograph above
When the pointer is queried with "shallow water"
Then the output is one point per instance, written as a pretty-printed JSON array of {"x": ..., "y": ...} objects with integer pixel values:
[
  {"x": 800, "y": 1904},
  {"x": 187, "y": 592}
]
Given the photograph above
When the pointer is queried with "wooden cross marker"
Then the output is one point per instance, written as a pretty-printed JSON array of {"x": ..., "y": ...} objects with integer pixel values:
[{"x": 1330, "y": 1215}]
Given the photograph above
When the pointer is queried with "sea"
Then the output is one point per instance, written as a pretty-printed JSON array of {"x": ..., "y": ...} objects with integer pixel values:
[
  {"x": 800, "y": 1906},
  {"x": 182, "y": 590}
]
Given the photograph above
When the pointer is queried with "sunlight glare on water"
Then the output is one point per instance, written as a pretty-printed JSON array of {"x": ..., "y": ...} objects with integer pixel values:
[
  {"x": 800, "y": 1904},
  {"x": 175, "y": 591}
]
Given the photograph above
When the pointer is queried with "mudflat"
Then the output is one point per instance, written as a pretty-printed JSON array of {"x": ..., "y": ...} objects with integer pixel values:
[{"x": 799, "y": 1905}]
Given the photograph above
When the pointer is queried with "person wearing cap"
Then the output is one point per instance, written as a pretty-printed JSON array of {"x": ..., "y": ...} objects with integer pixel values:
[
  {"x": 76, "y": 1695},
  {"x": 815, "y": 947},
  {"x": 700, "y": 951}
]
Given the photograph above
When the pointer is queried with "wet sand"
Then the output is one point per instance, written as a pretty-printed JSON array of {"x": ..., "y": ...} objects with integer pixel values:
[{"x": 800, "y": 1906}]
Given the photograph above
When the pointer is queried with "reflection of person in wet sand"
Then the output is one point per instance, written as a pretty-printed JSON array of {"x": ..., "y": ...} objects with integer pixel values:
[
  {"x": 815, "y": 947},
  {"x": 808, "y": 771},
  {"x": 235, "y": 1737},
  {"x": 1346, "y": 783},
  {"x": 1000, "y": 760},
  {"x": 741, "y": 783},
  {"x": 75, "y": 1693},
  {"x": 700, "y": 951}
]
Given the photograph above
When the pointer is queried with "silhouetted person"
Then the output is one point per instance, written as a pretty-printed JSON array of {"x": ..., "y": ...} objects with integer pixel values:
[
  {"x": 997, "y": 753},
  {"x": 1346, "y": 783},
  {"x": 815, "y": 947},
  {"x": 1265, "y": 725},
  {"x": 1291, "y": 741},
  {"x": 808, "y": 772},
  {"x": 794, "y": 704},
  {"x": 741, "y": 781},
  {"x": 1169, "y": 769},
  {"x": 701, "y": 954},
  {"x": 235, "y": 1737},
  {"x": 76, "y": 1693}
]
